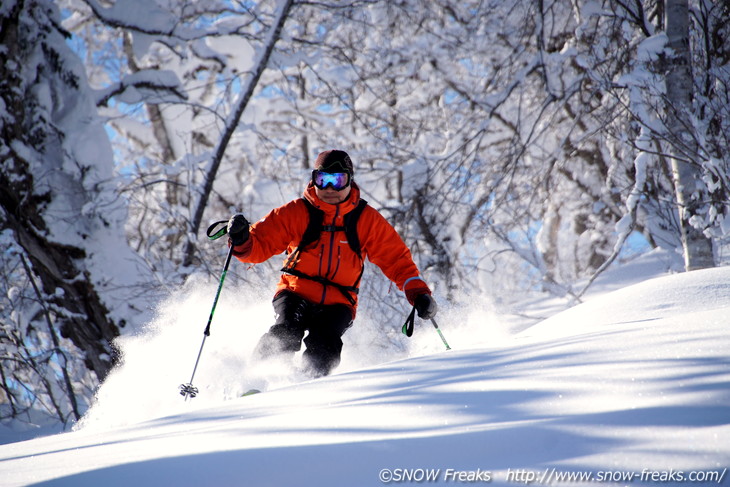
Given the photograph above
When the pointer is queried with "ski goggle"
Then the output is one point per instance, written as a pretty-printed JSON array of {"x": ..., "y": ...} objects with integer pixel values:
[{"x": 338, "y": 180}]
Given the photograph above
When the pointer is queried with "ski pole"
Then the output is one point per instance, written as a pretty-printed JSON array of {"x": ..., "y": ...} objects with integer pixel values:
[
  {"x": 440, "y": 334},
  {"x": 189, "y": 390}
]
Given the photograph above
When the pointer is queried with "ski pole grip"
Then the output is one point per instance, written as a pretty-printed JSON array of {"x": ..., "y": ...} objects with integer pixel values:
[{"x": 213, "y": 234}]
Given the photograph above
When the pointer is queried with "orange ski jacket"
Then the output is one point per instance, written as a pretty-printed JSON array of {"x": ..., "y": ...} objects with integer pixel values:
[{"x": 330, "y": 258}]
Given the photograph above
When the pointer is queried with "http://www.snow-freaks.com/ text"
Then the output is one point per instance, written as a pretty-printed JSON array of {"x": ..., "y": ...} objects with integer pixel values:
[{"x": 548, "y": 476}]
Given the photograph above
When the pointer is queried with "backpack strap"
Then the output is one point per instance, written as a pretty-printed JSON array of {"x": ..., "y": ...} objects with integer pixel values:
[
  {"x": 347, "y": 291},
  {"x": 314, "y": 227},
  {"x": 311, "y": 234},
  {"x": 351, "y": 220}
]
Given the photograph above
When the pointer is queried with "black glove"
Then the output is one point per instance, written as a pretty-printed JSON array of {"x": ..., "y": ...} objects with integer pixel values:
[
  {"x": 238, "y": 230},
  {"x": 425, "y": 306}
]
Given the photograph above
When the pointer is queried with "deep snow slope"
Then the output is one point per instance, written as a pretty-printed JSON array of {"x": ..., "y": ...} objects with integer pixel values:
[{"x": 632, "y": 386}]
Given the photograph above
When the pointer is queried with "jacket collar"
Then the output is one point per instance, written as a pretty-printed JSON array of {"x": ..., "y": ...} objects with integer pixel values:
[{"x": 329, "y": 209}]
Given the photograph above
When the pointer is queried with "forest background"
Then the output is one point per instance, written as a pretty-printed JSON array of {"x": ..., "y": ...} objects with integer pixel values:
[{"x": 518, "y": 147}]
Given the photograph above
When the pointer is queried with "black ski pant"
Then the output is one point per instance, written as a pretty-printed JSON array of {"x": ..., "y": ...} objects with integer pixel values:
[{"x": 324, "y": 325}]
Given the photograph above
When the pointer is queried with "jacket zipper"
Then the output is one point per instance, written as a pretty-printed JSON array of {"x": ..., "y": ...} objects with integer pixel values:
[{"x": 329, "y": 258}]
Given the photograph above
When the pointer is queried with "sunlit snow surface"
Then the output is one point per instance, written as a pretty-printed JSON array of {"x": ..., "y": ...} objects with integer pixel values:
[{"x": 635, "y": 380}]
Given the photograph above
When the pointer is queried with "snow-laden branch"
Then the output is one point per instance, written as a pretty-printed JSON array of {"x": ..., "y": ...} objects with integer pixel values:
[
  {"x": 148, "y": 85},
  {"x": 155, "y": 21},
  {"x": 143, "y": 17}
]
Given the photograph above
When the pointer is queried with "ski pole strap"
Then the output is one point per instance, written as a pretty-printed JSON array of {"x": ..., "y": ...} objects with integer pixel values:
[
  {"x": 212, "y": 234},
  {"x": 408, "y": 325}
]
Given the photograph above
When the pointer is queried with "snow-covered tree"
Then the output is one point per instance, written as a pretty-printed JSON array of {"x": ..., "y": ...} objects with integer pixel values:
[
  {"x": 692, "y": 194},
  {"x": 526, "y": 119},
  {"x": 61, "y": 208}
]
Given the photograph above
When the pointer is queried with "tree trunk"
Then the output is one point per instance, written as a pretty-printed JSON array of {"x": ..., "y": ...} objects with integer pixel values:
[{"x": 689, "y": 189}]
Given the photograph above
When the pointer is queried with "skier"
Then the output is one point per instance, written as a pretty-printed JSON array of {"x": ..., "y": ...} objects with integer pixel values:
[{"x": 326, "y": 234}]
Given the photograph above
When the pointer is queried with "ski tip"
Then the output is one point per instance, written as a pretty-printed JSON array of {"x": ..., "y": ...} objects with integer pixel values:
[{"x": 250, "y": 392}]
